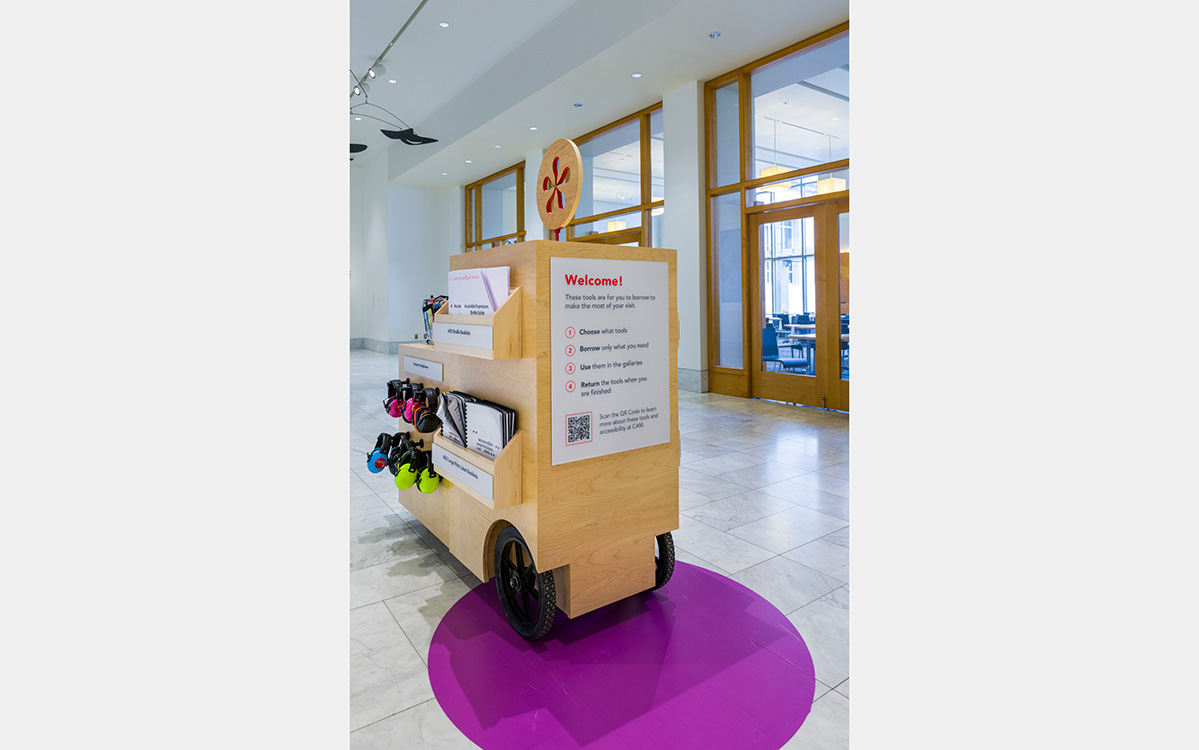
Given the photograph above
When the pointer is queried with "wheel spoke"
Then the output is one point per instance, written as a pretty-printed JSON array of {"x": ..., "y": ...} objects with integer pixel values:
[{"x": 520, "y": 558}]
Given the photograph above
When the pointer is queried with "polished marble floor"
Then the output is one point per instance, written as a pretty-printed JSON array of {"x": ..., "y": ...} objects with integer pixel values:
[{"x": 763, "y": 499}]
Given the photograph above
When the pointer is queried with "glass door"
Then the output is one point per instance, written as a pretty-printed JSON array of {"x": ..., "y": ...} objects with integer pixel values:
[{"x": 796, "y": 319}]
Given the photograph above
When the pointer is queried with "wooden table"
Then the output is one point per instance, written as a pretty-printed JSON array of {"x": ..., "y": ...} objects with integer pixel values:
[{"x": 808, "y": 341}]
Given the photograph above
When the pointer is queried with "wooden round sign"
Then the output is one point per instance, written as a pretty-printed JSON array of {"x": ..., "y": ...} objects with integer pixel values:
[{"x": 559, "y": 184}]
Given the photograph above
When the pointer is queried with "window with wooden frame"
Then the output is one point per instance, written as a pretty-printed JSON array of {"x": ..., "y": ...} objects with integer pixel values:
[
  {"x": 777, "y": 136},
  {"x": 622, "y": 193},
  {"x": 495, "y": 209}
]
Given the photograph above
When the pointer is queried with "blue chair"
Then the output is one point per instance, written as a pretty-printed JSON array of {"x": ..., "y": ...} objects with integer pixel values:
[{"x": 770, "y": 353}]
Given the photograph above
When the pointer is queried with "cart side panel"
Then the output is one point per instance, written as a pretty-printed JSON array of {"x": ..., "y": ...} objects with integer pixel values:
[{"x": 597, "y": 518}]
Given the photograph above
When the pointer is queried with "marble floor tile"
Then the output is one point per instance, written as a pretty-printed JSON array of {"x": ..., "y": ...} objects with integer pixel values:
[
  {"x": 700, "y": 448},
  {"x": 824, "y": 625},
  {"x": 798, "y": 456},
  {"x": 359, "y": 488},
  {"x": 708, "y": 486},
  {"x": 840, "y": 471},
  {"x": 393, "y": 503},
  {"x": 830, "y": 559},
  {"x": 825, "y": 483},
  {"x": 821, "y": 689},
  {"x": 419, "y": 612},
  {"x": 737, "y": 510},
  {"x": 386, "y": 675},
  {"x": 787, "y": 530},
  {"x": 744, "y": 440},
  {"x": 422, "y": 727},
  {"x": 765, "y": 473},
  {"x": 806, "y": 496},
  {"x": 683, "y": 555},
  {"x": 787, "y": 585},
  {"x": 726, "y": 551},
  {"x": 382, "y": 540},
  {"x": 383, "y": 581},
  {"x": 827, "y": 726},
  {"x": 839, "y": 537},
  {"x": 367, "y": 506},
  {"x": 690, "y": 499},
  {"x": 729, "y": 462}
]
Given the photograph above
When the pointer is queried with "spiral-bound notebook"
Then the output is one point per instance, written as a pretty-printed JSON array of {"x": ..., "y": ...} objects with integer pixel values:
[{"x": 481, "y": 426}]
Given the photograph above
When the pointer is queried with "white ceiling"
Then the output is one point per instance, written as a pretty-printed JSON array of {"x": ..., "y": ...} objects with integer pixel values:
[{"x": 503, "y": 66}]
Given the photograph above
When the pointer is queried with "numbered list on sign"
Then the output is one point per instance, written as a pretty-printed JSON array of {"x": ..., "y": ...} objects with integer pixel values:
[{"x": 610, "y": 338}]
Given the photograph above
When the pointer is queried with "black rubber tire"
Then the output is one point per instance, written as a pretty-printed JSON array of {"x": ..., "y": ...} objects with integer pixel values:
[
  {"x": 528, "y": 597},
  {"x": 663, "y": 560}
]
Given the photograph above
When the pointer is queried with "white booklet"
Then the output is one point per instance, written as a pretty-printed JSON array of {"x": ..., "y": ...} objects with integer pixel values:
[{"x": 477, "y": 291}]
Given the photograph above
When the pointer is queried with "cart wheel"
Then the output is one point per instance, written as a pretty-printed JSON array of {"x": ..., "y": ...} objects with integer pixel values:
[
  {"x": 663, "y": 560},
  {"x": 528, "y": 597}
]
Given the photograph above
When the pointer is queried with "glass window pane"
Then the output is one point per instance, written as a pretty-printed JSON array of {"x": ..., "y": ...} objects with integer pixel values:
[
  {"x": 611, "y": 224},
  {"x": 727, "y": 135},
  {"x": 611, "y": 170},
  {"x": 801, "y": 110},
  {"x": 498, "y": 199},
  {"x": 843, "y": 263},
  {"x": 804, "y": 186},
  {"x": 657, "y": 221},
  {"x": 726, "y": 223},
  {"x": 657, "y": 182},
  {"x": 789, "y": 295}
]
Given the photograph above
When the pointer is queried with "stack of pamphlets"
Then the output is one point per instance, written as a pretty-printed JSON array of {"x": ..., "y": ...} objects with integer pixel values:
[
  {"x": 477, "y": 291},
  {"x": 475, "y": 424}
]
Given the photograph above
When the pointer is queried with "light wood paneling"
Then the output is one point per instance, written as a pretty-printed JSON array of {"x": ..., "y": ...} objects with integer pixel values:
[
  {"x": 504, "y": 471},
  {"x": 593, "y": 521},
  {"x": 505, "y": 325},
  {"x": 750, "y": 380}
]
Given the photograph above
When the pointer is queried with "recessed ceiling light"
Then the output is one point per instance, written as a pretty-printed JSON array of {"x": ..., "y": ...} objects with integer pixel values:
[
  {"x": 714, "y": 34},
  {"x": 836, "y": 118},
  {"x": 468, "y": 161},
  {"x": 532, "y": 127},
  {"x": 636, "y": 75},
  {"x": 443, "y": 174},
  {"x": 497, "y": 145},
  {"x": 357, "y": 118},
  {"x": 444, "y": 24},
  {"x": 391, "y": 80}
]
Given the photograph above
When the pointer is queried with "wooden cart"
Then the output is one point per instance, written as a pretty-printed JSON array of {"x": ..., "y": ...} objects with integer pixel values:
[{"x": 574, "y": 536}]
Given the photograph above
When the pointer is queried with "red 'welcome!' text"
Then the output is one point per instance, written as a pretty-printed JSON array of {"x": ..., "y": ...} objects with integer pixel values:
[{"x": 586, "y": 280}]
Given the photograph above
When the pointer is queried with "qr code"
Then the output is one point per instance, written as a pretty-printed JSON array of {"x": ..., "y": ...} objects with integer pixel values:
[{"x": 578, "y": 428}]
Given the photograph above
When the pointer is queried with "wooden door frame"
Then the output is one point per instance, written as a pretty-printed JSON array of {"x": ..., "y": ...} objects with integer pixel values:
[{"x": 825, "y": 388}]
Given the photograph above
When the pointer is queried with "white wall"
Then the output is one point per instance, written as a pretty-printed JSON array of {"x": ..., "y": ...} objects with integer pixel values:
[
  {"x": 357, "y": 256},
  {"x": 684, "y": 222},
  {"x": 371, "y": 194},
  {"x": 424, "y": 230},
  {"x": 401, "y": 238}
]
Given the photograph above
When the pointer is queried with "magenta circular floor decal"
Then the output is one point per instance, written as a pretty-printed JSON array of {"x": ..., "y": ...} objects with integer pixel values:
[{"x": 702, "y": 662}]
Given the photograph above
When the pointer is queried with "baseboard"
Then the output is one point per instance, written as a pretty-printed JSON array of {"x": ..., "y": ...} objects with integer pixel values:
[
  {"x": 695, "y": 381},
  {"x": 375, "y": 345}
]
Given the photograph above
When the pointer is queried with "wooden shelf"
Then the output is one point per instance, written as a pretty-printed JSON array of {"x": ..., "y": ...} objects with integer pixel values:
[
  {"x": 496, "y": 483},
  {"x": 499, "y": 333}
]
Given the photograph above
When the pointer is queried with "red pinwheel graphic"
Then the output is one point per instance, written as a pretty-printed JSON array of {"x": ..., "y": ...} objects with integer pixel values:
[{"x": 554, "y": 186}]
